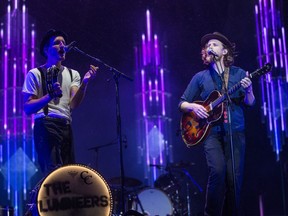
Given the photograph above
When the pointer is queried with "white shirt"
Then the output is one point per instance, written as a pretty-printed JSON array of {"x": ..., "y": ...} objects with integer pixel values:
[{"x": 59, "y": 108}]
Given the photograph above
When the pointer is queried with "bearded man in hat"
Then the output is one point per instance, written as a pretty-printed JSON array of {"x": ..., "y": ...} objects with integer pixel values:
[
  {"x": 218, "y": 54},
  {"x": 51, "y": 92}
]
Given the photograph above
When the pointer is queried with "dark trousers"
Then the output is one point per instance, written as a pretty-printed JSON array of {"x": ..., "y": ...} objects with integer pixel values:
[
  {"x": 220, "y": 191},
  {"x": 54, "y": 143}
]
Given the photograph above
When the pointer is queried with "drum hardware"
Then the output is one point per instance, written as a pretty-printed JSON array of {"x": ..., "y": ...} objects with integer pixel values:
[
  {"x": 168, "y": 183},
  {"x": 116, "y": 196},
  {"x": 133, "y": 199},
  {"x": 177, "y": 183},
  {"x": 169, "y": 166},
  {"x": 188, "y": 209},
  {"x": 188, "y": 200},
  {"x": 133, "y": 213},
  {"x": 128, "y": 182},
  {"x": 32, "y": 206},
  {"x": 129, "y": 194},
  {"x": 152, "y": 201},
  {"x": 96, "y": 149},
  {"x": 192, "y": 180},
  {"x": 31, "y": 210},
  {"x": 160, "y": 167},
  {"x": 181, "y": 164}
]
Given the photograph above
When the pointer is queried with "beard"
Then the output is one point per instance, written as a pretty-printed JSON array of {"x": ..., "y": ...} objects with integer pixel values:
[{"x": 211, "y": 59}]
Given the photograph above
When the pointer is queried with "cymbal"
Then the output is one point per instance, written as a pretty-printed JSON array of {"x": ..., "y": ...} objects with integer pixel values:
[
  {"x": 181, "y": 164},
  {"x": 128, "y": 181},
  {"x": 158, "y": 166}
]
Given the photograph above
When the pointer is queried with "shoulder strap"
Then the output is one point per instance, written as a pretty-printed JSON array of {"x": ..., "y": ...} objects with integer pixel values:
[
  {"x": 70, "y": 71},
  {"x": 43, "y": 88},
  {"x": 225, "y": 79}
]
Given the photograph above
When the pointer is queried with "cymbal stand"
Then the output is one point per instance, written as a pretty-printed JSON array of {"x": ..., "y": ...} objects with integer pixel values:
[
  {"x": 188, "y": 200},
  {"x": 96, "y": 149},
  {"x": 192, "y": 179},
  {"x": 135, "y": 198}
]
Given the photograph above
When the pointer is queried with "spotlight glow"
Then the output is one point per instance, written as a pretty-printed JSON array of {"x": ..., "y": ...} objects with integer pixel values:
[
  {"x": 271, "y": 42},
  {"x": 153, "y": 98}
]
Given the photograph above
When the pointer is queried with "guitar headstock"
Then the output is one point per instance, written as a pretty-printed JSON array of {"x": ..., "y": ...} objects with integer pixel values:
[{"x": 261, "y": 71}]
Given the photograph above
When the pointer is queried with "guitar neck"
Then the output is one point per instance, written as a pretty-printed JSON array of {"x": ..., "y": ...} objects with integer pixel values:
[
  {"x": 223, "y": 97},
  {"x": 267, "y": 67}
]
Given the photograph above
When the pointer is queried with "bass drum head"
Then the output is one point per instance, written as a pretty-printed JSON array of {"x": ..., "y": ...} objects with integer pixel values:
[
  {"x": 74, "y": 190},
  {"x": 154, "y": 202}
]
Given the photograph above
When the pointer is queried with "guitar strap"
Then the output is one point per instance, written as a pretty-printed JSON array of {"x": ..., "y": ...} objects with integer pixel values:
[
  {"x": 225, "y": 89},
  {"x": 224, "y": 78}
]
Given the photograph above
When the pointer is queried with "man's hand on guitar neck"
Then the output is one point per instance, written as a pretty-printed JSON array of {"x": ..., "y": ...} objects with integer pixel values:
[
  {"x": 246, "y": 83},
  {"x": 198, "y": 109}
]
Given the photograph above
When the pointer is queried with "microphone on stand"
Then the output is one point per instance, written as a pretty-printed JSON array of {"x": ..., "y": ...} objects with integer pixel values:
[
  {"x": 211, "y": 52},
  {"x": 70, "y": 46}
]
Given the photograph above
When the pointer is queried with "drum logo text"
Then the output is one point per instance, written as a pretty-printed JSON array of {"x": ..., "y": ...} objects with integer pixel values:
[{"x": 57, "y": 196}]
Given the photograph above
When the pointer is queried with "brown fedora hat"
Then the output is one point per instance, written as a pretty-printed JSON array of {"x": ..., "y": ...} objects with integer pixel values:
[
  {"x": 217, "y": 36},
  {"x": 49, "y": 34}
]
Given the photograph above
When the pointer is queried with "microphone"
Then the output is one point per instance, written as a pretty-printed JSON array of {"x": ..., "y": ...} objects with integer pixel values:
[
  {"x": 68, "y": 47},
  {"x": 211, "y": 52}
]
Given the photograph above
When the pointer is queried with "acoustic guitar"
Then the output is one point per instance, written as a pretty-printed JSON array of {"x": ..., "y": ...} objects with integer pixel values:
[{"x": 194, "y": 129}]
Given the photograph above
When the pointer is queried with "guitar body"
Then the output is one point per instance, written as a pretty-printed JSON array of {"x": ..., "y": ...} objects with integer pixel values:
[{"x": 195, "y": 129}]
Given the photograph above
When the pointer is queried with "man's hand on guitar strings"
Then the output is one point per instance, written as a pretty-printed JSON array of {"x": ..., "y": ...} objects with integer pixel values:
[{"x": 199, "y": 110}]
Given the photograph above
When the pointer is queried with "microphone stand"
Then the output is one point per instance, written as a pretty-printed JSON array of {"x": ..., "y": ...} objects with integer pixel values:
[
  {"x": 228, "y": 105},
  {"x": 96, "y": 149},
  {"x": 188, "y": 198},
  {"x": 116, "y": 75}
]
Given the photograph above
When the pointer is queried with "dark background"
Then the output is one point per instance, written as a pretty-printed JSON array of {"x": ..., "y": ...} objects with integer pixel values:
[{"x": 109, "y": 30}]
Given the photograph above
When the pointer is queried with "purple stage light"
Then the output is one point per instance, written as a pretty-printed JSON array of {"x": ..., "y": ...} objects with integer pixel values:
[
  {"x": 281, "y": 52},
  {"x": 17, "y": 147},
  {"x": 274, "y": 53},
  {"x": 144, "y": 55},
  {"x": 5, "y": 88},
  {"x": 285, "y": 52},
  {"x": 271, "y": 42},
  {"x": 154, "y": 119}
]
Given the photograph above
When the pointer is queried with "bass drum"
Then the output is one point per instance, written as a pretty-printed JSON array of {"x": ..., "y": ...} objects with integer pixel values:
[
  {"x": 154, "y": 202},
  {"x": 74, "y": 190}
]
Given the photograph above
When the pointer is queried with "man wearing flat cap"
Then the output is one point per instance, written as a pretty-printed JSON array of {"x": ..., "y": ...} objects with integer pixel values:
[
  {"x": 51, "y": 92},
  {"x": 220, "y": 75}
]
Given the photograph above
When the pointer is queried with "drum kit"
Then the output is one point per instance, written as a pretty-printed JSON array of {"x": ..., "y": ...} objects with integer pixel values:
[
  {"x": 79, "y": 190},
  {"x": 169, "y": 196}
]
